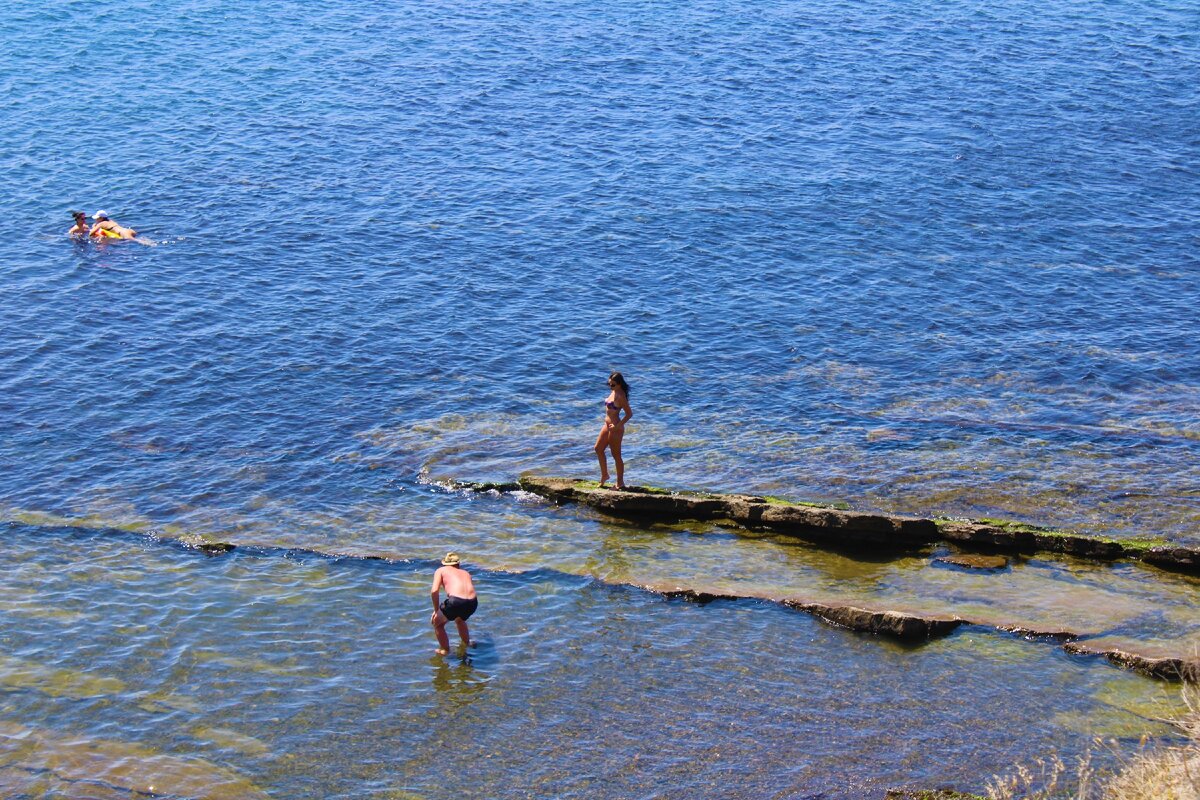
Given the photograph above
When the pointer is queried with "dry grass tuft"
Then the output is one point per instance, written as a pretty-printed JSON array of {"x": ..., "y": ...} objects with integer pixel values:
[
  {"x": 1155, "y": 773},
  {"x": 1172, "y": 774},
  {"x": 1043, "y": 780}
]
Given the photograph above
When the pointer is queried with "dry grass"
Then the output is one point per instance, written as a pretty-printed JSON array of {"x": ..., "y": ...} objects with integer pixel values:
[
  {"x": 1166, "y": 775},
  {"x": 1154, "y": 773},
  {"x": 1042, "y": 780}
]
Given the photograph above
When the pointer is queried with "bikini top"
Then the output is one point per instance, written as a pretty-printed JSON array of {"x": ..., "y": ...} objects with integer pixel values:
[{"x": 611, "y": 405}]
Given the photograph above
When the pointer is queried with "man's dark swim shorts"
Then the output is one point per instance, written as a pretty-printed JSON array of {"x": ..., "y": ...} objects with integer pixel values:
[{"x": 458, "y": 608}]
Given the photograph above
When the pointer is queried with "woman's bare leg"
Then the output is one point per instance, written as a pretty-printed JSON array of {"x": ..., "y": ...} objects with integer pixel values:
[
  {"x": 614, "y": 444},
  {"x": 601, "y": 443}
]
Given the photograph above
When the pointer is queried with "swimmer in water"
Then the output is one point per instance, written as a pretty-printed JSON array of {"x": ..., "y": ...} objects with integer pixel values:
[
  {"x": 460, "y": 602},
  {"x": 614, "y": 428},
  {"x": 81, "y": 227},
  {"x": 108, "y": 228}
]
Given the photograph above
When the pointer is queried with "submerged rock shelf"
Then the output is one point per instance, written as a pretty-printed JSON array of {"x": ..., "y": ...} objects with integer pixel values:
[
  {"x": 898, "y": 625},
  {"x": 901, "y": 625},
  {"x": 844, "y": 527},
  {"x": 913, "y": 628},
  {"x": 906, "y": 625}
]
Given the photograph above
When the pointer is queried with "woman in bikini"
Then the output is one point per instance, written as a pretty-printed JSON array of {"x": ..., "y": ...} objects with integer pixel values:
[
  {"x": 614, "y": 428},
  {"x": 106, "y": 227}
]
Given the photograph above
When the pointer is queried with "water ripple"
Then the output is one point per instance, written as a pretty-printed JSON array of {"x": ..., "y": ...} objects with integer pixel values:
[{"x": 932, "y": 260}]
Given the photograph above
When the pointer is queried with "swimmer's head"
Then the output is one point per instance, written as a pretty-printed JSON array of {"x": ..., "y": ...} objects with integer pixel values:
[
  {"x": 451, "y": 560},
  {"x": 78, "y": 216},
  {"x": 99, "y": 215}
]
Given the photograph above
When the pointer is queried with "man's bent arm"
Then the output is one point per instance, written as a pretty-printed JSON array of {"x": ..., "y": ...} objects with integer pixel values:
[{"x": 435, "y": 592}]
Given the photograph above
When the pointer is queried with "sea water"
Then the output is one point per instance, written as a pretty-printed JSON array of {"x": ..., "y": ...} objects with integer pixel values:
[{"x": 921, "y": 259}]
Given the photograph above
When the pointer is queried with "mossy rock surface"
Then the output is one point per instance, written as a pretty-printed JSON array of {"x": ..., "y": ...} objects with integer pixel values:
[
  {"x": 837, "y": 524},
  {"x": 783, "y": 501},
  {"x": 970, "y": 561}
]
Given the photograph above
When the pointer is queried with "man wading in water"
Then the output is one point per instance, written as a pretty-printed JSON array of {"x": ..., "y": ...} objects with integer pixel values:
[{"x": 460, "y": 602}]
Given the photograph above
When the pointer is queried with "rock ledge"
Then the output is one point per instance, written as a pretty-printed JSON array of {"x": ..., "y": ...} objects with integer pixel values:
[{"x": 842, "y": 527}]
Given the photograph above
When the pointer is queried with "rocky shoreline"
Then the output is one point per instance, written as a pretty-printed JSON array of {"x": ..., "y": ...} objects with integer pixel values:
[
  {"x": 819, "y": 523},
  {"x": 824, "y": 525},
  {"x": 833, "y": 526}
]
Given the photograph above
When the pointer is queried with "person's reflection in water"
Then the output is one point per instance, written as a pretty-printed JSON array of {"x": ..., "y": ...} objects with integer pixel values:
[{"x": 458, "y": 682}]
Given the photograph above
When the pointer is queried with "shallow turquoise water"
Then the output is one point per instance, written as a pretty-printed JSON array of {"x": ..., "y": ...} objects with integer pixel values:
[
  {"x": 928, "y": 260},
  {"x": 312, "y": 677}
]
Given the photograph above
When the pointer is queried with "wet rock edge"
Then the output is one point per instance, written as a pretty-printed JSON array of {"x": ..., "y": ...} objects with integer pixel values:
[{"x": 840, "y": 526}]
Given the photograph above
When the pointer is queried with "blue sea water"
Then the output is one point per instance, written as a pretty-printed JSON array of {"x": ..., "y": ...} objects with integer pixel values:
[
  {"x": 926, "y": 258},
  {"x": 933, "y": 259}
]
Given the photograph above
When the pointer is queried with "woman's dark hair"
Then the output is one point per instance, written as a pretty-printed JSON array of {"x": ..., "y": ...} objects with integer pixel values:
[{"x": 617, "y": 377}]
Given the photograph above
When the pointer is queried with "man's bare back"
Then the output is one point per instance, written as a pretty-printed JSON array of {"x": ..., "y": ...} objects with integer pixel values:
[
  {"x": 457, "y": 582},
  {"x": 459, "y": 605}
]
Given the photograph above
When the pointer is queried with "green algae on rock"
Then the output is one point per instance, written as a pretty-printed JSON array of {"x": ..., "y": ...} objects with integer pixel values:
[
  {"x": 974, "y": 561},
  {"x": 1024, "y": 538},
  {"x": 20, "y": 673},
  {"x": 57, "y": 764}
]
